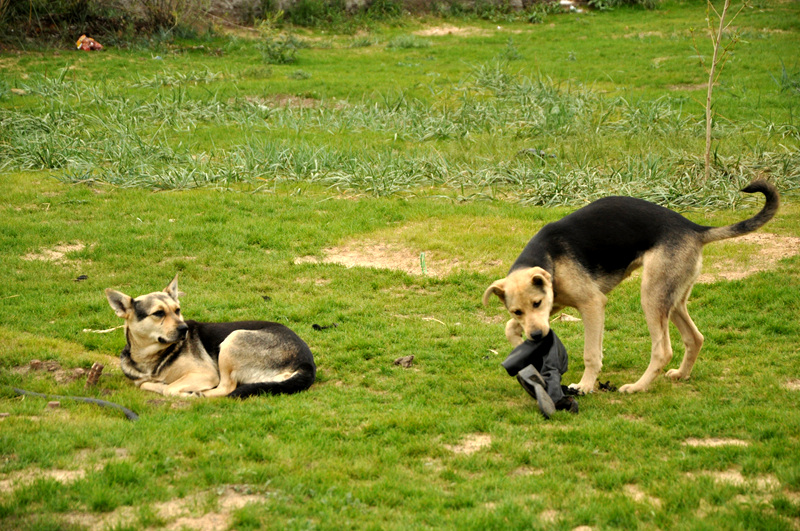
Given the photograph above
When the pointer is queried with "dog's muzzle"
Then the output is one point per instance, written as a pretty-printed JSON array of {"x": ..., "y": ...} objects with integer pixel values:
[
  {"x": 180, "y": 335},
  {"x": 536, "y": 336}
]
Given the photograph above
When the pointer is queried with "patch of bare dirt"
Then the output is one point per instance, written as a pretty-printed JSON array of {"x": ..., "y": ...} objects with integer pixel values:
[
  {"x": 448, "y": 29},
  {"x": 179, "y": 513},
  {"x": 471, "y": 444},
  {"x": 550, "y": 516},
  {"x": 714, "y": 442},
  {"x": 55, "y": 254},
  {"x": 386, "y": 256},
  {"x": 793, "y": 385},
  {"x": 734, "y": 477},
  {"x": 770, "y": 249},
  {"x": 12, "y": 481},
  {"x": 638, "y": 495},
  {"x": 53, "y": 367}
]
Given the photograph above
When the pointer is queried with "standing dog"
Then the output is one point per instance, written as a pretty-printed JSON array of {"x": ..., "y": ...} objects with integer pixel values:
[
  {"x": 168, "y": 355},
  {"x": 577, "y": 260}
]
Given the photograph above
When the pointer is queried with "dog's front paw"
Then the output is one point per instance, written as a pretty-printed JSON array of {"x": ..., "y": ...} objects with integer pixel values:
[
  {"x": 582, "y": 388},
  {"x": 675, "y": 374},
  {"x": 632, "y": 388}
]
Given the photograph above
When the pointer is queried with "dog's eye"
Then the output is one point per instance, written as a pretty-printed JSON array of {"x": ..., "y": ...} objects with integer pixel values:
[
  {"x": 537, "y": 304},
  {"x": 517, "y": 312},
  {"x": 177, "y": 311},
  {"x": 159, "y": 314}
]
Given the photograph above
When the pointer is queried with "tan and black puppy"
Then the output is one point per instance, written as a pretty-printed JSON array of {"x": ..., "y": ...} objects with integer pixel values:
[
  {"x": 168, "y": 355},
  {"x": 577, "y": 260}
]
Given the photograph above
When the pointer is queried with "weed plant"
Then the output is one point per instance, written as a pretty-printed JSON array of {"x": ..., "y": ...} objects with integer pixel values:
[{"x": 407, "y": 42}]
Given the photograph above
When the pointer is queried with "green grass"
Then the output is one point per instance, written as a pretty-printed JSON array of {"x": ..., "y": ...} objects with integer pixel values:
[{"x": 150, "y": 162}]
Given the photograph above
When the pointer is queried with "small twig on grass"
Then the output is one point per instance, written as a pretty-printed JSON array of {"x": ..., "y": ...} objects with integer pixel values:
[
  {"x": 102, "y": 331},
  {"x": 718, "y": 60}
]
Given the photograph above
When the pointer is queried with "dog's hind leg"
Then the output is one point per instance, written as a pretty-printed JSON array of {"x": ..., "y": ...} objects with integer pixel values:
[
  {"x": 227, "y": 382},
  {"x": 692, "y": 339},
  {"x": 658, "y": 298}
]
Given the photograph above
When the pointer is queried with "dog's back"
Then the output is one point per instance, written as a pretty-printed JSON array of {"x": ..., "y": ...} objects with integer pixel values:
[
  {"x": 287, "y": 353},
  {"x": 609, "y": 234}
]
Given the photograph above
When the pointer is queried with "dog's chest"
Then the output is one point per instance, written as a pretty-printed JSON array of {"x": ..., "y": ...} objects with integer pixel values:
[{"x": 191, "y": 358}]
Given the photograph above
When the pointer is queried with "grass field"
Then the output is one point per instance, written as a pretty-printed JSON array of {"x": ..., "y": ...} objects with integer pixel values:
[{"x": 431, "y": 150}]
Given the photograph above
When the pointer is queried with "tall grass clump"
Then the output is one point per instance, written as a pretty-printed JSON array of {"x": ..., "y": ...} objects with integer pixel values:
[
  {"x": 169, "y": 14},
  {"x": 613, "y": 4},
  {"x": 407, "y": 42},
  {"x": 788, "y": 81},
  {"x": 112, "y": 139}
]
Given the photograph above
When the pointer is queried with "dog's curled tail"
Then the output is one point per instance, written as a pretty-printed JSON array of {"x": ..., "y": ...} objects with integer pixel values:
[
  {"x": 300, "y": 381},
  {"x": 771, "y": 205}
]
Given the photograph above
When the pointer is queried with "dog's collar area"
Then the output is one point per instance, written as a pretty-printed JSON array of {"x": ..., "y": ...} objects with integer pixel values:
[{"x": 134, "y": 371}]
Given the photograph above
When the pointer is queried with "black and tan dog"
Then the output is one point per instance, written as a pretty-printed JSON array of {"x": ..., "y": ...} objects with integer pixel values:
[
  {"x": 168, "y": 355},
  {"x": 577, "y": 260}
]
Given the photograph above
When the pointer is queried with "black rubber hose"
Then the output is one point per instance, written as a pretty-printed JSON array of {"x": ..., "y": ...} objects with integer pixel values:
[{"x": 128, "y": 413}]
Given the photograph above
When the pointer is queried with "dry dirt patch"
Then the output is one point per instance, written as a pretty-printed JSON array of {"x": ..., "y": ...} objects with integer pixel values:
[
  {"x": 448, "y": 29},
  {"x": 56, "y": 253},
  {"x": 767, "y": 249},
  {"x": 386, "y": 256},
  {"x": 550, "y": 516},
  {"x": 714, "y": 442},
  {"x": 471, "y": 444},
  {"x": 180, "y": 513},
  {"x": 23, "y": 477},
  {"x": 734, "y": 477},
  {"x": 60, "y": 375},
  {"x": 793, "y": 385},
  {"x": 638, "y": 495}
]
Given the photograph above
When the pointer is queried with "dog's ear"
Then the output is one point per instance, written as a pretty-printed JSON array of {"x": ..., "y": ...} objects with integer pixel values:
[
  {"x": 120, "y": 303},
  {"x": 540, "y": 277},
  {"x": 172, "y": 289},
  {"x": 497, "y": 288}
]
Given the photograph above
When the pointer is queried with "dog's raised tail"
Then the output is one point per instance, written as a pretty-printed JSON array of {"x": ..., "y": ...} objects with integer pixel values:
[
  {"x": 771, "y": 206},
  {"x": 300, "y": 381}
]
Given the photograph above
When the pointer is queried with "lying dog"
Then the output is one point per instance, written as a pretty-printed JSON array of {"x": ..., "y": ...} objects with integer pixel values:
[
  {"x": 168, "y": 355},
  {"x": 577, "y": 260}
]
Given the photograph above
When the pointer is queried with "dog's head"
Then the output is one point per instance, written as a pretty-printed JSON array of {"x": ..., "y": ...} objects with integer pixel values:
[
  {"x": 528, "y": 296},
  {"x": 153, "y": 319}
]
